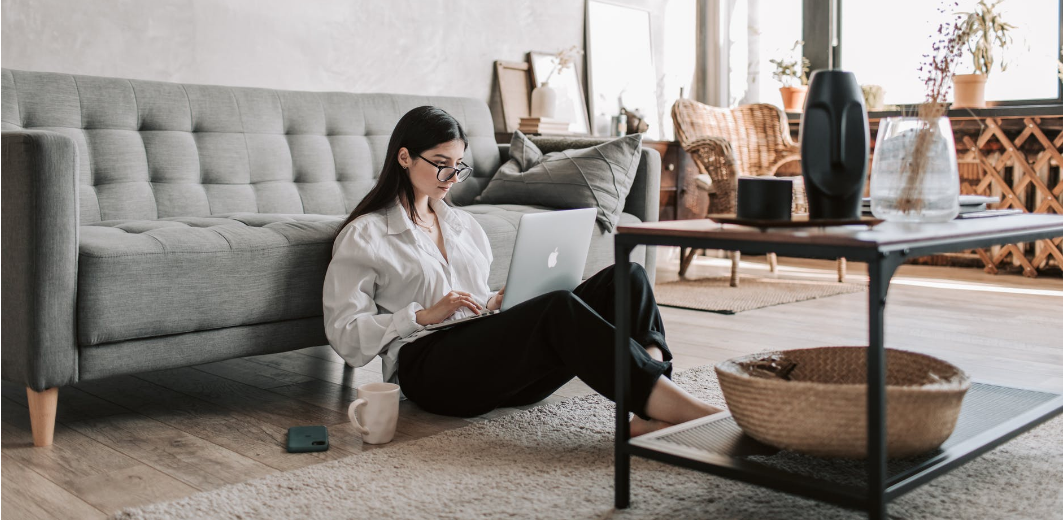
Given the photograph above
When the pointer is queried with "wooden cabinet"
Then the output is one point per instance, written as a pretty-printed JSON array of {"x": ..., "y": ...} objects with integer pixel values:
[{"x": 680, "y": 198}]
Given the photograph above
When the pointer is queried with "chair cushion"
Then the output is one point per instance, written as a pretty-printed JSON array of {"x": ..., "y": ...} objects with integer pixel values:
[{"x": 148, "y": 278}]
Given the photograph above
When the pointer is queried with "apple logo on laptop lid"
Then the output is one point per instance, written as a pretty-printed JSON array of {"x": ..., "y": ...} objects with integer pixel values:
[{"x": 552, "y": 260}]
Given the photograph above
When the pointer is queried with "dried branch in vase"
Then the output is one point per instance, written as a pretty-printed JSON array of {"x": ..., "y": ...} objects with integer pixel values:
[
  {"x": 563, "y": 60},
  {"x": 937, "y": 69}
]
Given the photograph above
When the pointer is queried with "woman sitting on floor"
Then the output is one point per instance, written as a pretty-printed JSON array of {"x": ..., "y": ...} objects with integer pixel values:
[{"x": 404, "y": 259}]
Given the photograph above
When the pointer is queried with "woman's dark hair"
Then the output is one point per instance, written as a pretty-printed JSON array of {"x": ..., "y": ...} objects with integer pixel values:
[{"x": 418, "y": 130}]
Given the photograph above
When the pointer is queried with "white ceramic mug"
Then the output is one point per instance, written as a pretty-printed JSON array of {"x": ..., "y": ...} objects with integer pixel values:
[{"x": 380, "y": 411}]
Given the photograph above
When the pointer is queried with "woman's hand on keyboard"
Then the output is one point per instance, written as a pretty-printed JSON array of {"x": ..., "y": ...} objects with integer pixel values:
[
  {"x": 495, "y": 302},
  {"x": 447, "y": 306}
]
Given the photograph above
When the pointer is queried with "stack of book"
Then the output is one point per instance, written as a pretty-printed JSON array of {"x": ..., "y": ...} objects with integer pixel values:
[
  {"x": 972, "y": 206},
  {"x": 543, "y": 125}
]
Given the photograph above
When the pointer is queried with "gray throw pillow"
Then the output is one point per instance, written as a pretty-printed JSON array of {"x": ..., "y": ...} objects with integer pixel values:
[{"x": 597, "y": 177}]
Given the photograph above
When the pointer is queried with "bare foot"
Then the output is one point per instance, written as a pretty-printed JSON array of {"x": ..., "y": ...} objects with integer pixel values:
[{"x": 638, "y": 426}]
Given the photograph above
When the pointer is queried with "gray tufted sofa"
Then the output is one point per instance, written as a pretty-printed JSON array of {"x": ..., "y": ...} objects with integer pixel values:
[{"x": 151, "y": 225}]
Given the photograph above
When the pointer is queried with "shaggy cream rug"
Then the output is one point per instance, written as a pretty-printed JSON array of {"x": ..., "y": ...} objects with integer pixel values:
[{"x": 556, "y": 461}]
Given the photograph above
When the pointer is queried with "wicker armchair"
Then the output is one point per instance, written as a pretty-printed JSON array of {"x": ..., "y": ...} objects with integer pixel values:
[{"x": 725, "y": 143}]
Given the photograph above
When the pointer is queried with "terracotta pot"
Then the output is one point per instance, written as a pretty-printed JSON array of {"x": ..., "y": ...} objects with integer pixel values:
[
  {"x": 793, "y": 98},
  {"x": 968, "y": 90}
]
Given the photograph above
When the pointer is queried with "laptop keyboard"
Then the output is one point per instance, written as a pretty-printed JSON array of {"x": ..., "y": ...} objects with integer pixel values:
[{"x": 447, "y": 324}]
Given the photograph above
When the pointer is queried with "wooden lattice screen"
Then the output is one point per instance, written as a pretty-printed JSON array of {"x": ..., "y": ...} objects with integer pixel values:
[{"x": 1033, "y": 160}]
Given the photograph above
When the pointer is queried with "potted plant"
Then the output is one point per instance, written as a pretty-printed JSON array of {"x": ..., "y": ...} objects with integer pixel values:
[
  {"x": 981, "y": 32},
  {"x": 793, "y": 77}
]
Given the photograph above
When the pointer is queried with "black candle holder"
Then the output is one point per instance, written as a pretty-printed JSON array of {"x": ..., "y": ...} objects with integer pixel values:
[{"x": 764, "y": 198}]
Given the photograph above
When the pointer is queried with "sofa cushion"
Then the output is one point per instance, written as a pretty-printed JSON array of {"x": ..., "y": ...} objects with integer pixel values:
[
  {"x": 146, "y": 278},
  {"x": 149, "y": 278},
  {"x": 596, "y": 177}
]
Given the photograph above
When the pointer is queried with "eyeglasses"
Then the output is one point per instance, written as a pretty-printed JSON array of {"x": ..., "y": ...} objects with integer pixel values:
[{"x": 445, "y": 173}]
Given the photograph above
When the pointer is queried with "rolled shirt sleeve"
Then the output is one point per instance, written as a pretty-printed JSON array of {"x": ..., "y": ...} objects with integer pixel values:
[{"x": 405, "y": 320}]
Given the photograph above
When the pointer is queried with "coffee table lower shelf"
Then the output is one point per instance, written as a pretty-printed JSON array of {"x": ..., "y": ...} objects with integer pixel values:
[{"x": 990, "y": 416}]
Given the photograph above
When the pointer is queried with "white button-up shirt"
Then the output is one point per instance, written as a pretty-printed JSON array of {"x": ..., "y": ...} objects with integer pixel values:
[{"x": 384, "y": 269}]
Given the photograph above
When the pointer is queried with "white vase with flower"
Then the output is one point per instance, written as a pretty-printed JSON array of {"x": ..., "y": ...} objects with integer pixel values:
[{"x": 545, "y": 97}]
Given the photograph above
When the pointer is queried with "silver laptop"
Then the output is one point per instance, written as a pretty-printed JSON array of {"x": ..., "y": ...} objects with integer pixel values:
[{"x": 549, "y": 255}]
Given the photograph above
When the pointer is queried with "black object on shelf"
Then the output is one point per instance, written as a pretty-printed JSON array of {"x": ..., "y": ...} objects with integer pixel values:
[
  {"x": 764, "y": 198},
  {"x": 834, "y": 137}
]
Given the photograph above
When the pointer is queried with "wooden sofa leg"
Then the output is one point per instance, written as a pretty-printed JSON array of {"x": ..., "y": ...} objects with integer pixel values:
[
  {"x": 42, "y": 414},
  {"x": 773, "y": 266},
  {"x": 841, "y": 265}
]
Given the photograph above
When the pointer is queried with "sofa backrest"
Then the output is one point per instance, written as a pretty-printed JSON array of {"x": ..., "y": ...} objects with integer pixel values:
[{"x": 151, "y": 150}]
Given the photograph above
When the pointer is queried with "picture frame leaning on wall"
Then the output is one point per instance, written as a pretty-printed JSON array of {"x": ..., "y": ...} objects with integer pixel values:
[
  {"x": 514, "y": 92},
  {"x": 571, "y": 103}
]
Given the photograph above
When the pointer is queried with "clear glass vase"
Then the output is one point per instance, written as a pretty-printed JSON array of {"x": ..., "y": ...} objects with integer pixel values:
[{"x": 914, "y": 171}]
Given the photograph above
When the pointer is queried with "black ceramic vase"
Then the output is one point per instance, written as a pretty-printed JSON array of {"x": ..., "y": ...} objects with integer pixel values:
[{"x": 834, "y": 139}]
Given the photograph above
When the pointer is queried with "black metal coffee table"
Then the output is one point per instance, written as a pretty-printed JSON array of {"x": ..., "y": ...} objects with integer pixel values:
[{"x": 990, "y": 415}]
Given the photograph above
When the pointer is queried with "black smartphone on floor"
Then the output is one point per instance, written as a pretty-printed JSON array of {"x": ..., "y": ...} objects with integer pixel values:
[{"x": 303, "y": 439}]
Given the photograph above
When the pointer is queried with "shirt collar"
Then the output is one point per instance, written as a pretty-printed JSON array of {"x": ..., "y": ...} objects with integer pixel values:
[
  {"x": 399, "y": 221},
  {"x": 448, "y": 216}
]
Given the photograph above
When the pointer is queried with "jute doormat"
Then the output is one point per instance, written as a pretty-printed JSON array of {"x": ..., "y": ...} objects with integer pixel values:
[
  {"x": 715, "y": 295},
  {"x": 556, "y": 461}
]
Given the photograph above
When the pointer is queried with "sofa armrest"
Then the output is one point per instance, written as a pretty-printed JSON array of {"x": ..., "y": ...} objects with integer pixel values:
[
  {"x": 504, "y": 153},
  {"x": 645, "y": 196},
  {"x": 40, "y": 256}
]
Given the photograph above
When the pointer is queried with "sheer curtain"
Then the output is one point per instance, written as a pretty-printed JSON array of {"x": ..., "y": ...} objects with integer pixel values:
[{"x": 757, "y": 31}]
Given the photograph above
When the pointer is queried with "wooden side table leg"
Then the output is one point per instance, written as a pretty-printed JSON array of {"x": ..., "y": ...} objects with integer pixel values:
[
  {"x": 734, "y": 269},
  {"x": 42, "y": 414},
  {"x": 686, "y": 258}
]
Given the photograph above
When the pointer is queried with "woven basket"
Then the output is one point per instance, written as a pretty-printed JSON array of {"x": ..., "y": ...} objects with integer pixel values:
[{"x": 813, "y": 401}]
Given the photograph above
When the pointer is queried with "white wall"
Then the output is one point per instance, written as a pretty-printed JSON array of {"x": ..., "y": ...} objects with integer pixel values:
[
  {"x": 443, "y": 47},
  {"x": 398, "y": 46}
]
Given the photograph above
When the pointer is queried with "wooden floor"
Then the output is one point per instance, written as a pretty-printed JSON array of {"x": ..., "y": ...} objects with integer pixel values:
[{"x": 135, "y": 440}]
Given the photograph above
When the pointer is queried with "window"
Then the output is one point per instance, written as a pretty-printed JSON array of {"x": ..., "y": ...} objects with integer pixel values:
[
  {"x": 885, "y": 46},
  {"x": 760, "y": 30},
  {"x": 679, "y": 64}
]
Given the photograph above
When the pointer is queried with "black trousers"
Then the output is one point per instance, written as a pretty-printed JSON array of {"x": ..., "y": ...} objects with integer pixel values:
[{"x": 525, "y": 354}]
